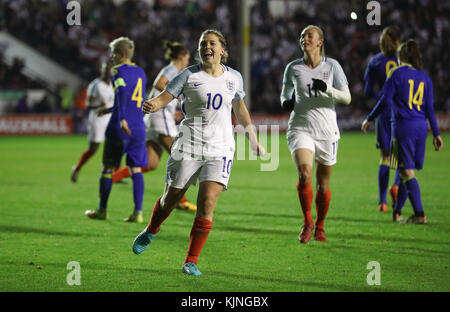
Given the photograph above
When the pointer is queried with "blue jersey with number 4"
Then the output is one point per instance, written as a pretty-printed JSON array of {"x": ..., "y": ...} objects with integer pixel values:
[
  {"x": 408, "y": 95},
  {"x": 129, "y": 83}
]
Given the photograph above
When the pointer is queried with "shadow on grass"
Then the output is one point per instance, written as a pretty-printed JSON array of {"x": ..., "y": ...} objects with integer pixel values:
[
  {"x": 305, "y": 284},
  {"x": 391, "y": 239},
  {"x": 24, "y": 229}
]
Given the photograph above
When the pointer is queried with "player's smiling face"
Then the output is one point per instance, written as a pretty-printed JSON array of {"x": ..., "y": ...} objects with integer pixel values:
[
  {"x": 210, "y": 49},
  {"x": 310, "y": 40}
]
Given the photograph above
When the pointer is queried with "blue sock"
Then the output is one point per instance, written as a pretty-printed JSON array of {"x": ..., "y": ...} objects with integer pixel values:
[
  {"x": 383, "y": 182},
  {"x": 401, "y": 197},
  {"x": 105, "y": 189},
  {"x": 397, "y": 178},
  {"x": 414, "y": 195},
  {"x": 138, "y": 190}
]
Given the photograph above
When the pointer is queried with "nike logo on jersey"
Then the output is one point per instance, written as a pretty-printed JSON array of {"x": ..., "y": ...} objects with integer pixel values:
[{"x": 195, "y": 85}]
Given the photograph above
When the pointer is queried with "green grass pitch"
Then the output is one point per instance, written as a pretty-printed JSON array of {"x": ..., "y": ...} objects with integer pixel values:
[{"x": 253, "y": 245}]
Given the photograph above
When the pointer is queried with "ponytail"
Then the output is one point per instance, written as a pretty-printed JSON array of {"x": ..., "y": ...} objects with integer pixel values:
[
  {"x": 408, "y": 52},
  {"x": 173, "y": 50},
  {"x": 389, "y": 40}
]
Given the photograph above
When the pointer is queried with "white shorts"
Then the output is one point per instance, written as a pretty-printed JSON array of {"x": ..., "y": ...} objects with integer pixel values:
[
  {"x": 161, "y": 122},
  {"x": 325, "y": 151},
  {"x": 183, "y": 173},
  {"x": 96, "y": 128}
]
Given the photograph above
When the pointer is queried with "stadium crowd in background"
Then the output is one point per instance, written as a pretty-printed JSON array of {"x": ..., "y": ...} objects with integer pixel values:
[{"x": 42, "y": 24}]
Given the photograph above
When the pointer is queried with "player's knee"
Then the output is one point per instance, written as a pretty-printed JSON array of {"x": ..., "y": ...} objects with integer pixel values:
[{"x": 305, "y": 173}]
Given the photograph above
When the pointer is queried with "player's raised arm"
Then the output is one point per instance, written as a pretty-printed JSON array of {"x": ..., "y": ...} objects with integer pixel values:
[{"x": 155, "y": 104}]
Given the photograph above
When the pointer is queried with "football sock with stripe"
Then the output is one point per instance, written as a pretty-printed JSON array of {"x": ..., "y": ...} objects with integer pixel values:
[
  {"x": 322, "y": 204},
  {"x": 414, "y": 196},
  {"x": 199, "y": 234},
  {"x": 105, "y": 189},
  {"x": 138, "y": 190},
  {"x": 158, "y": 217},
  {"x": 402, "y": 195},
  {"x": 383, "y": 182},
  {"x": 305, "y": 195}
]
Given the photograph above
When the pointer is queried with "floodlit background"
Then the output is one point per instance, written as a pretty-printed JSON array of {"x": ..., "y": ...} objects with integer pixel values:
[{"x": 47, "y": 64}]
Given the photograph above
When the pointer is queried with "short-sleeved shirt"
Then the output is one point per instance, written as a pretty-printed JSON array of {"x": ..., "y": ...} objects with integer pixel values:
[
  {"x": 99, "y": 91},
  {"x": 207, "y": 128},
  {"x": 314, "y": 111},
  {"x": 168, "y": 112}
]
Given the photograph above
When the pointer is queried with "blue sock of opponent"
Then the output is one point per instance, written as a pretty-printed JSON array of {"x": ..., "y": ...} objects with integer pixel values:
[
  {"x": 138, "y": 190},
  {"x": 414, "y": 196},
  {"x": 401, "y": 197},
  {"x": 383, "y": 182},
  {"x": 105, "y": 189}
]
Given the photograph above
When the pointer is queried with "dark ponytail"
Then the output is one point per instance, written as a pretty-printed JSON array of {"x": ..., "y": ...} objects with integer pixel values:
[
  {"x": 408, "y": 52},
  {"x": 389, "y": 40},
  {"x": 173, "y": 50}
]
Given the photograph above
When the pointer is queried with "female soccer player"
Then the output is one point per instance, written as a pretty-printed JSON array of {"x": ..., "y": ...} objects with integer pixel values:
[
  {"x": 204, "y": 147},
  {"x": 374, "y": 77},
  {"x": 408, "y": 96},
  {"x": 160, "y": 126},
  {"x": 125, "y": 133},
  {"x": 311, "y": 87},
  {"x": 100, "y": 95}
]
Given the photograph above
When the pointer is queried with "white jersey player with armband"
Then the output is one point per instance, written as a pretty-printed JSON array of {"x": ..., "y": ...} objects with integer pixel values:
[
  {"x": 312, "y": 86},
  {"x": 100, "y": 96},
  {"x": 204, "y": 148}
]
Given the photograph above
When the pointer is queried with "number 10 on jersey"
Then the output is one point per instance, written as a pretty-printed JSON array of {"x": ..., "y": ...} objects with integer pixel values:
[{"x": 214, "y": 101}]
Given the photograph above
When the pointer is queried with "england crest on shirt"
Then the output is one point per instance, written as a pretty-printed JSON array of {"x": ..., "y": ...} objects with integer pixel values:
[{"x": 230, "y": 85}]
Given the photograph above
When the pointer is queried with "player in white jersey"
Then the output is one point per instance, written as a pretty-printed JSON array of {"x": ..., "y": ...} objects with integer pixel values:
[
  {"x": 100, "y": 95},
  {"x": 311, "y": 87},
  {"x": 204, "y": 147},
  {"x": 160, "y": 126}
]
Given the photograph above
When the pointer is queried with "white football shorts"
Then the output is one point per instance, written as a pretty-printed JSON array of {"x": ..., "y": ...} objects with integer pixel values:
[
  {"x": 325, "y": 151},
  {"x": 161, "y": 122},
  {"x": 96, "y": 127},
  {"x": 185, "y": 172}
]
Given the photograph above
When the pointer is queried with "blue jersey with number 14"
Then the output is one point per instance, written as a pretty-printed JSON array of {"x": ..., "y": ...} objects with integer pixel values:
[
  {"x": 129, "y": 83},
  {"x": 408, "y": 95}
]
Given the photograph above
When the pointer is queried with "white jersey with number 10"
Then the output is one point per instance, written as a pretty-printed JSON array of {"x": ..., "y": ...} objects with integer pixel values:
[{"x": 207, "y": 129}]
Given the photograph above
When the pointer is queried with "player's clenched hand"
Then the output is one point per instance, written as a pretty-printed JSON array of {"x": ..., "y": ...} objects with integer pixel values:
[
  {"x": 124, "y": 127},
  {"x": 366, "y": 124},
  {"x": 149, "y": 107},
  {"x": 438, "y": 143},
  {"x": 319, "y": 85},
  {"x": 258, "y": 149}
]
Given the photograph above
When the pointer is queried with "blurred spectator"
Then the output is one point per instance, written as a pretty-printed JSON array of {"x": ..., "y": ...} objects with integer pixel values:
[
  {"x": 22, "y": 105},
  {"x": 43, "y": 25},
  {"x": 66, "y": 95}
]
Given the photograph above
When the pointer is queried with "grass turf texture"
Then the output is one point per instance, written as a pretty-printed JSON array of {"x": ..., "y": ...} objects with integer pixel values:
[{"x": 253, "y": 245}]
